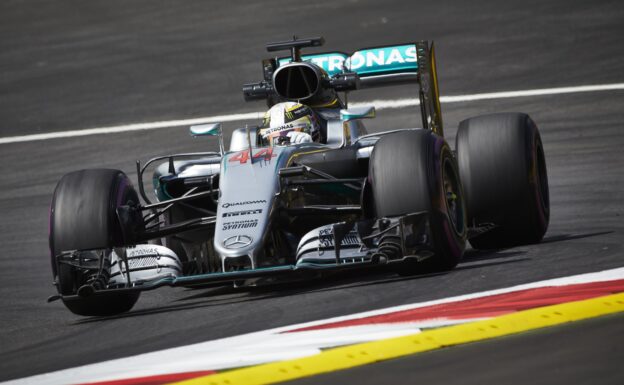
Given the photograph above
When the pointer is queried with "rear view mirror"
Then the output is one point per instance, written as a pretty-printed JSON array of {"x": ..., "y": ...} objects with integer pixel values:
[
  {"x": 366, "y": 112},
  {"x": 209, "y": 129}
]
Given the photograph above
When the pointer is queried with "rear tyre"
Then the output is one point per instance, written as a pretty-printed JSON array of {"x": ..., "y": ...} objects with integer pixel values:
[
  {"x": 83, "y": 216},
  {"x": 413, "y": 171},
  {"x": 503, "y": 170}
]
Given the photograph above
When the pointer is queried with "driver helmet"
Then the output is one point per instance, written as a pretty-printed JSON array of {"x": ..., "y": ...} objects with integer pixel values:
[{"x": 281, "y": 120}]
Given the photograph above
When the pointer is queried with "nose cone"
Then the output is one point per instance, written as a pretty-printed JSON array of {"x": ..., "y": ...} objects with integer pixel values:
[{"x": 247, "y": 185}]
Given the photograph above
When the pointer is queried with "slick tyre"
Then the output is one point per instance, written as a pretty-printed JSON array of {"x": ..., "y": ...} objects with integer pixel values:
[
  {"x": 83, "y": 216},
  {"x": 503, "y": 171},
  {"x": 413, "y": 171}
]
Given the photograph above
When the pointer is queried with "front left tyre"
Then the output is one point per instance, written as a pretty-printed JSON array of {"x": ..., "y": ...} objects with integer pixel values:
[{"x": 82, "y": 217}]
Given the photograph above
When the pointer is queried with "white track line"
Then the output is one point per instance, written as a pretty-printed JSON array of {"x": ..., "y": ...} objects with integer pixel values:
[
  {"x": 379, "y": 104},
  {"x": 278, "y": 344}
]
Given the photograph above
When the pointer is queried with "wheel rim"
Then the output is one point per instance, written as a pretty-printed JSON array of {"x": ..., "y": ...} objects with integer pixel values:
[{"x": 452, "y": 196}]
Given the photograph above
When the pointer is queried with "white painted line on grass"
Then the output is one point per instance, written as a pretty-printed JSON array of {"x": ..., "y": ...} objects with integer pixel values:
[{"x": 379, "y": 104}]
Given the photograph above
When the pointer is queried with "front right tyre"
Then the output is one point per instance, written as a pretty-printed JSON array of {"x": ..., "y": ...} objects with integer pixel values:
[{"x": 413, "y": 171}]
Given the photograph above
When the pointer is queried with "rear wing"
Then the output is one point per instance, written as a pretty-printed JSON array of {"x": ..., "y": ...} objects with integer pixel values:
[{"x": 374, "y": 67}]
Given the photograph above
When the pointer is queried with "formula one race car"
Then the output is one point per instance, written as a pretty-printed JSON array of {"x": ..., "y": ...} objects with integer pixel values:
[{"x": 281, "y": 209}]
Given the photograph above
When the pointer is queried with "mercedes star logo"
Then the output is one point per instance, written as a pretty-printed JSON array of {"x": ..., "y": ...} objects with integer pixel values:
[{"x": 237, "y": 242}]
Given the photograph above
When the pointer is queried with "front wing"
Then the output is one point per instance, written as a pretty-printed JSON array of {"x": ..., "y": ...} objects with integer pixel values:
[{"x": 340, "y": 246}]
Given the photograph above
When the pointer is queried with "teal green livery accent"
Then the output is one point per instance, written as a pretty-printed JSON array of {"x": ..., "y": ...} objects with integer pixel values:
[
  {"x": 367, "y": 112},
  {"x": 366, "y": 62},
  {"x": 161, "y": 190},
  {"x": 384, "y": 60}
]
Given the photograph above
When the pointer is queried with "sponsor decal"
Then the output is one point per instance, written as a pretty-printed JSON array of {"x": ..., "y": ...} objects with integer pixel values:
[
  {"x": 245, "y": 224},
  {"x": 243, "y": 156},
  {"x": 138, "y": 252},
  {"x": 237, "y": 242},
  {"x": 278, "y": 128},
  {"x": 367, "y": 61},
  {"x": 242, "y": 213},
  {"x": 226, "y": 205},
  {"x": 331, "y": 63},
  {"x": 383, "y": 59},
  {"x": 286, "y": 128}
]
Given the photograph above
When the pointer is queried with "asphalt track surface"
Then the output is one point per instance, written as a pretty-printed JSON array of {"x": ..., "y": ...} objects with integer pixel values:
[
  {"x": 573, "y": 357},
  {"x": 73, "y": 65}
]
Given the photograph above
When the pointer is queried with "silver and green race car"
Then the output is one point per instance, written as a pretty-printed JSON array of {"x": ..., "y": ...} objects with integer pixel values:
[{"x": 401, "y": 198}]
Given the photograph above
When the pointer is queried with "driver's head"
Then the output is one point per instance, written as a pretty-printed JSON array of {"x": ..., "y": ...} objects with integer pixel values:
[{"x": 288, "y": 120}]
